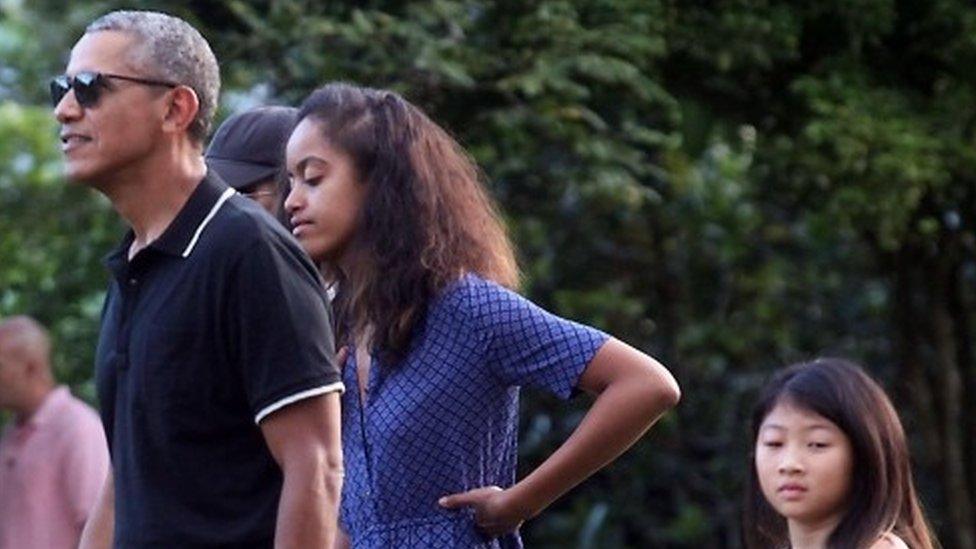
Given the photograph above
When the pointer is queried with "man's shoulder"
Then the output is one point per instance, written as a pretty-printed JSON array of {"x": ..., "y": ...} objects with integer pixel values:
[
  {"x": 80, "y": 412},
  {"x": 239, "y": 227},
  {"x": 245, "y": 239},
  {"x": 238, "y": 224},
  {"x": 79, "y": 405},
  {"x": 75, "y": 422}
]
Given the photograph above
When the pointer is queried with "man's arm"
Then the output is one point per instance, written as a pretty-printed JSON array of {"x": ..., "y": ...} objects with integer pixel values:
[
  {"x": 304, "y": 439},
  {"x": 84, "y": 469},
  {"x": 342, "y": 540},
  {"x": 100, "y": 527}
]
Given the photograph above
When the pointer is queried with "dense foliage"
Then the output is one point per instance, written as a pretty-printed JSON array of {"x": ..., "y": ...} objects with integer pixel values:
[{"x": 729, "y": 185}]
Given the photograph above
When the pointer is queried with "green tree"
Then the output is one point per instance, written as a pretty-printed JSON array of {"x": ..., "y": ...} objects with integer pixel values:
[{"x": 729, "y": 185}]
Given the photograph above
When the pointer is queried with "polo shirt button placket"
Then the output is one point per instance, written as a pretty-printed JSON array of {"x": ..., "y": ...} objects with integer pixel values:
[{"x": 129, "y": 301}]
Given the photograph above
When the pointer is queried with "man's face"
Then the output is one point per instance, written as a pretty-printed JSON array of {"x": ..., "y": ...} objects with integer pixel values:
[
  {"x": 264, "y": 193},
  {"x": 13, "y": 375},
  {"x": 103, "y": 142}
]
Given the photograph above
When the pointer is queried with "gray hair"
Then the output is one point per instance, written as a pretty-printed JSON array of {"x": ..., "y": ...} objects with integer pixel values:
[{"x": 174, "y": 51}]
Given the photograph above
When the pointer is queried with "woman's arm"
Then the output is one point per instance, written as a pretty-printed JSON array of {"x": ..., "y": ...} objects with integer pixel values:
[{"x": 633, "y": 390}]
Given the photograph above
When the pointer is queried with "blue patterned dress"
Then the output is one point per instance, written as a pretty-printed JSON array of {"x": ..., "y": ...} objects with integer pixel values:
[{"x": 445, "y": 419}]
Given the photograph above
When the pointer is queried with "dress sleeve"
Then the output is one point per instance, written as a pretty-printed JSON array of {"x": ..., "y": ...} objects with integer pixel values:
[
  {"x": 527, "y": 345},
  {"x": 283, "y": 336}
]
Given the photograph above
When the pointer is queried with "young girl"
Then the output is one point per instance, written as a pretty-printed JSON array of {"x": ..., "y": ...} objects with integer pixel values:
[
  {"x": 396, "y": 214},
  {"x": 831, "y": 466}
]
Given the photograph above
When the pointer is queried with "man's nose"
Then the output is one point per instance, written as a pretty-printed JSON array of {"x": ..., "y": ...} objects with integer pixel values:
[{"x": 68, "y": 108}]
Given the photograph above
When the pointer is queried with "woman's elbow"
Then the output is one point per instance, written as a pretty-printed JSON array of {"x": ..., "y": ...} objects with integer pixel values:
[{"x": 663, "y": 387}]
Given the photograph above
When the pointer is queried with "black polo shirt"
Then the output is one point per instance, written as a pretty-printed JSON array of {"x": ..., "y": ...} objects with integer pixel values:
[{"x": 218, "y": 323}]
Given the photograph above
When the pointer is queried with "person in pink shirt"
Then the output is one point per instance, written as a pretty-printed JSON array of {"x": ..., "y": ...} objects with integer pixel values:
[{"x": 53, "y": 455}]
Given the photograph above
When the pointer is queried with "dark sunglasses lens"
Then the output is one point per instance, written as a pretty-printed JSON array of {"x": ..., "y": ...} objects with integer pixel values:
[
  {"x": 59, "y": 88},
  {"x": 86, "y": 85}
]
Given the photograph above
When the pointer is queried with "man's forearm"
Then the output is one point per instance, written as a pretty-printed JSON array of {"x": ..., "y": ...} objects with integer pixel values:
[
  {"x": 342, "y": 540},
  {"x": 99, "y": 529}
]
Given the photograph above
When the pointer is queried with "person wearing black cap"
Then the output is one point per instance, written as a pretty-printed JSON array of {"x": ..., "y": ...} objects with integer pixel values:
[{"x": 247, "y": 152}]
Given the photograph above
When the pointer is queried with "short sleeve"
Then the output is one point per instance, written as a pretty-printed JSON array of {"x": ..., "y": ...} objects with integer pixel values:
[
  {"x": 527, "y": 345},
  {"x": 86, "y": 464},
  {"x": 282, "y": 329}
]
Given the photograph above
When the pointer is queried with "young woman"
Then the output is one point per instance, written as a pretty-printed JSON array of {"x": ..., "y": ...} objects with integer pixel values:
[
  {"x": 395, "y": 212},
  {"x": 830, "y": 465}
]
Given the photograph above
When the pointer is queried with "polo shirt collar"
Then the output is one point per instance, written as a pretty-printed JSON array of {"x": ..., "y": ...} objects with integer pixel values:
[{"x": 181, "y": 235}]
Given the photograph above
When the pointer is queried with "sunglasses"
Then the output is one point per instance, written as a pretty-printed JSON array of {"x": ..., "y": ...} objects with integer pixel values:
[{"x": 89, "y": 85}]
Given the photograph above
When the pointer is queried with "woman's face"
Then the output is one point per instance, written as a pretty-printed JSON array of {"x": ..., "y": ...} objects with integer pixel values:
[
  {"x": 326, "y": 194},
  {"x": 804, "y": 463}
]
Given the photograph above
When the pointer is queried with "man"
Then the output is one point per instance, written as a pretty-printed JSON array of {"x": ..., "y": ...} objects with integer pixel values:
[
  {"x": 248, "y": 149},
  {"x": 52, "y": 457},
  {"x": 214, "y": 367}
]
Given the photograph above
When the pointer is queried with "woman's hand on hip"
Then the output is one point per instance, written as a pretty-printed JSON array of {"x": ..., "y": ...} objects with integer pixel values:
[{"x": 495, "y": 511}]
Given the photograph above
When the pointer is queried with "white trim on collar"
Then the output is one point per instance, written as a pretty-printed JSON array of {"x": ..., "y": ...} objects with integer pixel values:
[{"x": 213, "y": 211}]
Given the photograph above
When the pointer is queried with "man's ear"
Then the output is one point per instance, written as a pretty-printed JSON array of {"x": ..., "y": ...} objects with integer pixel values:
[{"x": 183, "y": 107}]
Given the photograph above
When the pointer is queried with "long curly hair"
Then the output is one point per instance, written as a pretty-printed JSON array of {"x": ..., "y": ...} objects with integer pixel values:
[
  {"x": 426, "y": 220},
  {"x": 882, "y": 497}
]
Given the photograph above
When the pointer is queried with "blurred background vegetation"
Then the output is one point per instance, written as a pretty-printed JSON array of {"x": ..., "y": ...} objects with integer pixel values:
[{"x": 729, "y": 185}]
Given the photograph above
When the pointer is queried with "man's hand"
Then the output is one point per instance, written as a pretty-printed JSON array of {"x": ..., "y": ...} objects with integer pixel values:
[{"x": 495, "y": 511}]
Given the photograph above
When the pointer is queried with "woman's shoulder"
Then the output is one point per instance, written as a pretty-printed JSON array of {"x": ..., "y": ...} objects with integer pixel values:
[
  {"x": 478, "y": 302},
  {"x": 474, "y": 292},
  {"x": 889, "y": 541},
  {"x": 477, "y": 284}
]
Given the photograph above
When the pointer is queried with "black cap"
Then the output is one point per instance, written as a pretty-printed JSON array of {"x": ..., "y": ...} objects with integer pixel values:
[{"x": 250, "y": 146}]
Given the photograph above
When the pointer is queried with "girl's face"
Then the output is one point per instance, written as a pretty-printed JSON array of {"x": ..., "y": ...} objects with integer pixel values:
[
  {"x": 326, "y": 195},
  {"x": 804, "y": 463}
]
